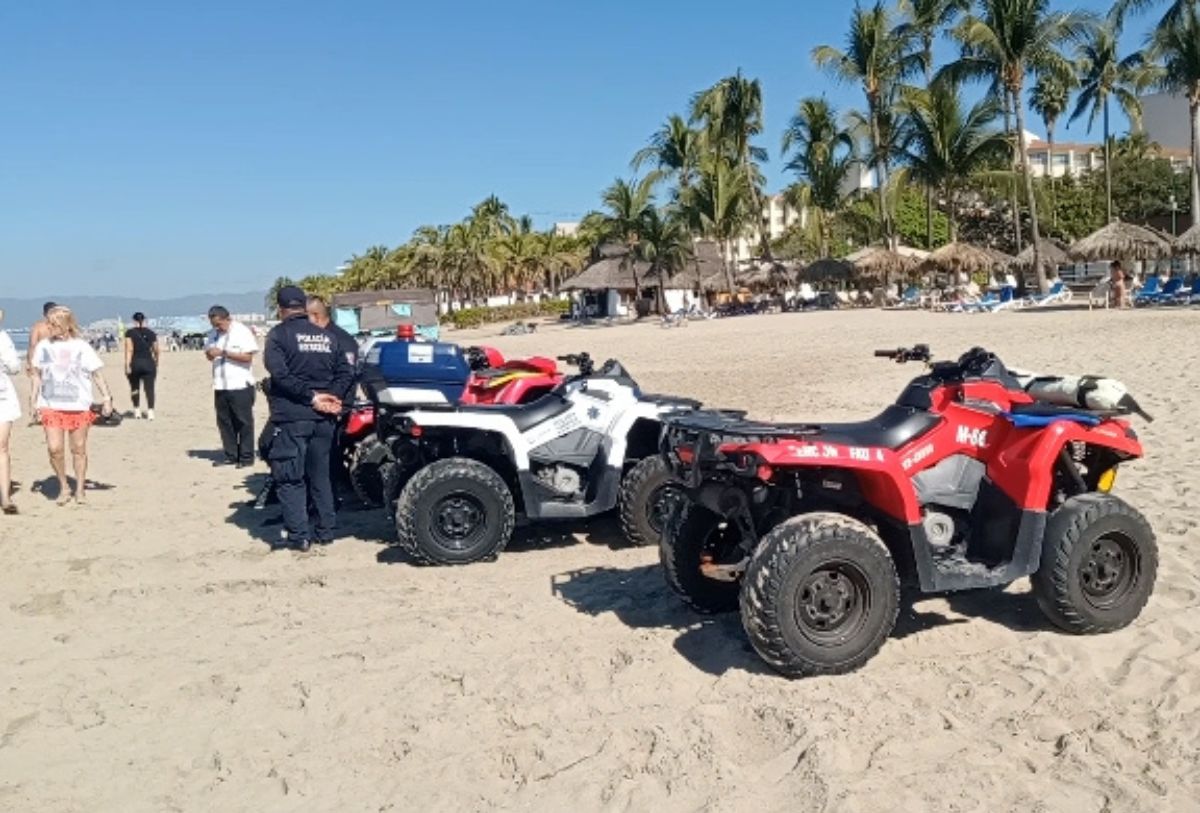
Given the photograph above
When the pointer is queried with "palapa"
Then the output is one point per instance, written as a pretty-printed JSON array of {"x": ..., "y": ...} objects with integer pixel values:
[
  {"x": 1189, "y": 241},
  {"x": 1121, "y": 241},
  {"x": 876, "y": 261},
  {"x": 827, "y": 269},
  {"x": 966, "y": 258},
  {"x": 1053, "y": 254},
  {"x": 613, "y": 269}
]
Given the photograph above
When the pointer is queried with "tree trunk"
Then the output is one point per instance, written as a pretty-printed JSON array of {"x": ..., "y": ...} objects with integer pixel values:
[
  {"x": 1033, "y": 219},
  {"x": 1018, "y": 146},
  {"x": 1050, "y": 167},
  {"x": 952, "y": 215},
  {"x": 928, "y": 49},
  {"x": 725, "y": 249},
  {"x": 1195, "y": 111},
  {"x": 699, "y": 273},
  {"x": 1107, "y": 169},
  {"x": 880, "y": 171}
]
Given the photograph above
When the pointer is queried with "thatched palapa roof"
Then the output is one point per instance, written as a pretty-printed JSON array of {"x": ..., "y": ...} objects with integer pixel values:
[
  {"x": 1121, "y": 241},
  {"x": 1189, "y": 241},
  {"x": 1053, "y": 254},
  {"x": 613, "y": 269},
  {"x": 767, "y": 274},
  {"x": 827, "y": 269},
  {"x": 875, "y": 261},
  {"x": 966, "y": 258}
]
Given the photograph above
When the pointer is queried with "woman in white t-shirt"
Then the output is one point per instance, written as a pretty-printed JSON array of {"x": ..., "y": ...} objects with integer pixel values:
[
  {"x": 66, "y": 371},
  {"x": 10, "y": 413}
]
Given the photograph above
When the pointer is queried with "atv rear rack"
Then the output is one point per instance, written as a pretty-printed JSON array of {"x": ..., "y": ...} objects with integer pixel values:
[{"x": 691, "y": 443}]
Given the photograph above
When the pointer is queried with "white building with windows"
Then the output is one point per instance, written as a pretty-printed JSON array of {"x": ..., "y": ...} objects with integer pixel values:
[{"x": 777, "y": 217}]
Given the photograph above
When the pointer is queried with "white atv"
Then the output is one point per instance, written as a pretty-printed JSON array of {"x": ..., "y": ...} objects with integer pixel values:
[{"x": 462, "y": 473}]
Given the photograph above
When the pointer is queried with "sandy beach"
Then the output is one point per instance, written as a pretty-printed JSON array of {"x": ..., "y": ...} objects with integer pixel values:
[{"x": 156, "y": 657}]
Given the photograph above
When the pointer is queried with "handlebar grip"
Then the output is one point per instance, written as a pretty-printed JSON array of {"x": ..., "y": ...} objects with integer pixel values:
[{"x": 886, "y": 354}]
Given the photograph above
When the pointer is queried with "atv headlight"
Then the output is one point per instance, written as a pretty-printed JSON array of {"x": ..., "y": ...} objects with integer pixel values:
[{"x": 1106, "y": 481}]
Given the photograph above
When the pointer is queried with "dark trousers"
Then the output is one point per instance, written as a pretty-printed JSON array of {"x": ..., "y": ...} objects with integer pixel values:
[
  {"x": 235, "y": 420},
  {"x": 299, "y": 459},
  {"x": 142, "y": 376}
]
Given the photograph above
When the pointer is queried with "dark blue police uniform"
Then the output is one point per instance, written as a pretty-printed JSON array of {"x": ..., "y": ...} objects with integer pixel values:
[{"x": 303, "y": 361}]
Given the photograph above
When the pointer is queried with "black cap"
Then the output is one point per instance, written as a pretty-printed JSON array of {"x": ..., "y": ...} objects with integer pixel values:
[
  {"x": 290, "y": 296},
  {"x": 139, "y": 317}
]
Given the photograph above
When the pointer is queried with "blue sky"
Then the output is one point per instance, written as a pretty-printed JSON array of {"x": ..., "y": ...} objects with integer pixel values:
[{"x": 155, "y": 149}]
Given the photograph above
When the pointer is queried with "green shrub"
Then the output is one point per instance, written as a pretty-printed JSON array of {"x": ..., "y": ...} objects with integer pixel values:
[{"x": 476, "y": 317}]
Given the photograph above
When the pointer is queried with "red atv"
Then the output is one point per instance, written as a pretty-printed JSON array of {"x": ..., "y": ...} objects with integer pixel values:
[
  {"x": 967, "y": 481},
  {"x": 492, "y": 380}
]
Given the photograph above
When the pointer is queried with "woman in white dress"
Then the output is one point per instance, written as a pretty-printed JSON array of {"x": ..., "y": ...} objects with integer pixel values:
[
  {"x": 10, "y": 413},
  {"x": 66, "y": 370}
]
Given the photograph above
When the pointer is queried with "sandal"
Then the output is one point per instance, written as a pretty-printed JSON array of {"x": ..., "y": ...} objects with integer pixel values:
[{"x": 9, "y": 510}]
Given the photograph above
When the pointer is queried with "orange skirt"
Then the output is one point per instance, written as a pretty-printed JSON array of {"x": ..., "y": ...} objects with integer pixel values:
[{"x": 66, "y": 421}]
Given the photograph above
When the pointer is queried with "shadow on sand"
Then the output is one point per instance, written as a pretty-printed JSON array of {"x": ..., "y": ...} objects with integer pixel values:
[
  {"x": 641, "y": 599},
  {"x": 48, "y": 487},
  {"x": 604, "y": 531}
]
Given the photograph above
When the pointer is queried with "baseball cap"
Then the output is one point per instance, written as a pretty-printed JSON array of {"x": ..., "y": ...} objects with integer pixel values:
[{"x": 290, "y": 296}]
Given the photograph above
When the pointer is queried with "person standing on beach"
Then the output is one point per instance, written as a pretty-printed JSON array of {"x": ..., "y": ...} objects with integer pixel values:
[
  {"x": 308, "y": 377},
  {"x": 10, "y": 413},
  {"x": 66, "y": 371},
  {"x": 141, "y": 364},
  {"x": 231, "y": 346},
  {"x": 344, "y": 343},
  {"x": 40, "y": 331}
]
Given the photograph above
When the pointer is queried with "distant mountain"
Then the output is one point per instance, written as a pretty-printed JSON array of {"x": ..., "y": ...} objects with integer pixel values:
[{"x": 24, "y": 312}]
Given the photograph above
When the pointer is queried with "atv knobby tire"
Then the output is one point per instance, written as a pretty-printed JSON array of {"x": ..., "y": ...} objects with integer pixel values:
[
  {"x": 454, "y": 511},
  {"x": 1099, "y": 562},
  {"x": 365, "y": 471},
  {"x": 644, "y": 499},
  {"x": 820, "y": 595},
  {"x": 693, "y": 533}
]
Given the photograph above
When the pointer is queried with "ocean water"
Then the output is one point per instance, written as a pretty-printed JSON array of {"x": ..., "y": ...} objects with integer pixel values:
[{"x": 20, "y": 339}]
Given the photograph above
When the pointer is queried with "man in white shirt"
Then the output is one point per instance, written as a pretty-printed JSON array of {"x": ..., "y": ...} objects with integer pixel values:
[{"x": 231, "y": 346}]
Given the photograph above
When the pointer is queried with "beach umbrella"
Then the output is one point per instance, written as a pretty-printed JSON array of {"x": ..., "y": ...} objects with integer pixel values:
[
  {"x": 1053, "y": 254},
  {"x": 827, "y": 269},
  {"x": 967, "y": 259},
  {"x": 1189, "y": 241},
  {"x": 876, "y": 261},
  {"x": 1123, "y": 241}
]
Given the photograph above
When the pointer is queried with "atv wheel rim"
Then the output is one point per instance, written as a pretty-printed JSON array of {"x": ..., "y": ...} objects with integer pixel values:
[
  {"x": 457, "y": 519},
  {"x": 1109, "y": 570},
  {"x": 658, "y": 507},
  {"x": 832, "y": 603}
]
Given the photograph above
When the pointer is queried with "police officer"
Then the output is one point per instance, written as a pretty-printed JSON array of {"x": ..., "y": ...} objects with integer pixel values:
[
  {"x": 347, "y": 345},
  {"x": 309, "y": 377}
]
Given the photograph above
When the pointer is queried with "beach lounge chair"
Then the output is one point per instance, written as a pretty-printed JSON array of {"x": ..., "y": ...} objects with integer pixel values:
[
  {"x": 1149, "y": 290},
  {"x": 1162, "y": 297},
  {"x": 994, "y": 304},
  {"x": 1188, "y": 296},
  {"x": 1058, "y": 294}
]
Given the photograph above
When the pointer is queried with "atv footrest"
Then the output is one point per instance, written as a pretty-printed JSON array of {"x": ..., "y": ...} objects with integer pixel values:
[{"x": 953, "y": 568}]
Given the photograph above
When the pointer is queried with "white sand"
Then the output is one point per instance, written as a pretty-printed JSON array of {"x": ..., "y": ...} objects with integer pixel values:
[{"x": 154, "y": 656}]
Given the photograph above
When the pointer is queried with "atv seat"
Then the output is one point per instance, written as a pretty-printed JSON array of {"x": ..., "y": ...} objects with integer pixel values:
[
  {"x": 891, "y": 429},
  {"x": 524, "y": 416}
]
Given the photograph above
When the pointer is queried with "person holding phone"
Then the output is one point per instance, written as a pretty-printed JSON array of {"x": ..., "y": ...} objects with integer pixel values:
[{"x": 231, "y": 347}]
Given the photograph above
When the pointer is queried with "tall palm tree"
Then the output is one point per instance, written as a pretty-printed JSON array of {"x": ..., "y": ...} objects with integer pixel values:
[
  {"x": 724, "y": 201},
  {"x": 822, "y": 154},
  {"x": 1006, "y": 42},
  {"x": 1175, "y": 46},
  {"x": 946, "y": 144},
  {"x": 675, "y": 151},
  {"x": 627, "y": 205},
  {"x": 1104, "y": 76},
  {"x": 665, "y": 243},
  {"x": 1048, "y": 98},
  {"x": 731, "y": 112},
  {"x": 877, "y": 56}
]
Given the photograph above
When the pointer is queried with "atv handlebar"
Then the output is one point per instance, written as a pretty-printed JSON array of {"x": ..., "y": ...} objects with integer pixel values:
[
  {"x": 900, "y": 355},
  {"x": 581, "y": 360}
]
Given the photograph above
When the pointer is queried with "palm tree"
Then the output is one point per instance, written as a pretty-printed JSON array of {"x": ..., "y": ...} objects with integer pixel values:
[
  {"x": 1048, "y": 98},
  {"x": 1175, "y": 45},
  {"x": 1104, "y": 75},
  {"x": 627, "y": 207},
  {"x": 724, "y": 201},
  {"x": 823, "y": 155},
  {"x": 732, "y": 114},
  {"x": 675, "y": 151},
  {"x": 1006, "y": 42},
  {"x": 947, "y": 145},
  {"x": 877, "y": 57},
  {"x": 666, "y": 243}
]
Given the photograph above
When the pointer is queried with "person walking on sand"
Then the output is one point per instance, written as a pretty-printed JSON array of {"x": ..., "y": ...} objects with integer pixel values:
[
  {"x": 231, "y": 347},
  {"x": 308, "y": 378},
  {"x": 39, "y": 331},
  {"x": 1116, "y": 284},
  {"x": 66, "y": 372},
  {"x": 141, "y": 364},
  {"x": 10, "y": 413}
]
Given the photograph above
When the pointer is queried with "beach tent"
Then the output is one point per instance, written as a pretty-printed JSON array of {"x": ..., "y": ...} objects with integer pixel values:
[{"x": 377, "y": 311}]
